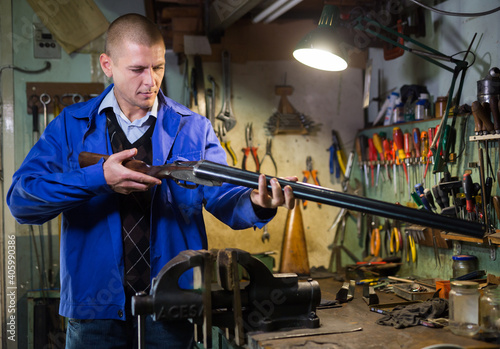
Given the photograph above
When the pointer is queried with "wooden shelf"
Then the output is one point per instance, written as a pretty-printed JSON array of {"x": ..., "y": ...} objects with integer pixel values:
[{"x": 487, "y": 240}]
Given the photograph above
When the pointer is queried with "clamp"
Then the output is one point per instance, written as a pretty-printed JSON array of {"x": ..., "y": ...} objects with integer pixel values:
[{"x": 228, "y": 305}]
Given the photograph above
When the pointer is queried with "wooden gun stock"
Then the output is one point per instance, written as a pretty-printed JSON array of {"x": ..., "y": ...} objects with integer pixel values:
[{"x": 86, "y": 159}]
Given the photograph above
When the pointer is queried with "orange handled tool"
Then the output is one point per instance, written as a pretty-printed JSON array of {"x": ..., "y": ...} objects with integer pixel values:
[
  {"x": 372, "y": 157},
  {"x": 416, "y": 141},
  {"x": 408, "y": 144},
  {"x": 424, "y": 151},
  {"x": 397, "y": 136},
  {"x": 377, "y": 142}
]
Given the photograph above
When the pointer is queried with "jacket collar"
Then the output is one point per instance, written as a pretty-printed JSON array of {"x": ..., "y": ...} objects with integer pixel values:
[{"x": 167, "y": 126}]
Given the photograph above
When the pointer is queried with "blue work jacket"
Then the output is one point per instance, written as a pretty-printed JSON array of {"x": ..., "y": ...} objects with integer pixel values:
[{"x": 50, "y": 181}]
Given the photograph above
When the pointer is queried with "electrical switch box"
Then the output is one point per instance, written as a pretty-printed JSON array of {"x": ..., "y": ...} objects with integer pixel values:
[{"x": 44, "y": 44}]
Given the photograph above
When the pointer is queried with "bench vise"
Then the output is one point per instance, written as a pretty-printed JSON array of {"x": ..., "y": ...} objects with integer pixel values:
[{"x": 266, "y": 302}]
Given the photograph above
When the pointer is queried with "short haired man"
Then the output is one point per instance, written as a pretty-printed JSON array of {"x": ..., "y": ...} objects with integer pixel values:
[{"x": 120, "y": 227}]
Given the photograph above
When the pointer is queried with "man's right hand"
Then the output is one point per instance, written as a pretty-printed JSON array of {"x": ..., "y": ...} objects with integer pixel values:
[{"x": 121, "y": 179}]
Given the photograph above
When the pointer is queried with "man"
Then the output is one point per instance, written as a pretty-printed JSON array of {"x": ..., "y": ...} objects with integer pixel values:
[{"x": 120, "y": 227}]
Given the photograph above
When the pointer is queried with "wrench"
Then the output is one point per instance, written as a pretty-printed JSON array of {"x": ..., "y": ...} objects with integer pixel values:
[
  {"x": 210, "y": 101},
  {"x": 45, "y": 100},
  {"x": 226, "y": 113}
]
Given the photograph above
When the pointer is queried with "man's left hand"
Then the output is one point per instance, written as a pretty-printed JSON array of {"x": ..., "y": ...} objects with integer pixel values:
[{"x": 278, "y": 196}]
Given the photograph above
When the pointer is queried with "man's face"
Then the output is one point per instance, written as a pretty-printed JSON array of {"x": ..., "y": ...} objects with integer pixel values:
[{"x": 137, "y": 71}]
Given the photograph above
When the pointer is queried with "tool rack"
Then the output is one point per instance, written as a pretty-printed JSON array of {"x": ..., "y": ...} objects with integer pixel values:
[{"x": 454, "y": 243}]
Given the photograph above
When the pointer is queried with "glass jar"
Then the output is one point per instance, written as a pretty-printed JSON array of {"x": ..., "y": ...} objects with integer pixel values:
[
  {"x": 464, "y": 264},
  {"x": 464, "y": 308},
  {"x": 489, "y": 311},
  {"x": 440, "y": 106}
]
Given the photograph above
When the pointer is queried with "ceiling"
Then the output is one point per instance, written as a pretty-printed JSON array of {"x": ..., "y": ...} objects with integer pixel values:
[{"x": 216, "y": 20}]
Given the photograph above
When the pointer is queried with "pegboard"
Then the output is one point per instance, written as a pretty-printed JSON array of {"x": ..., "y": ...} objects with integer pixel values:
[{"x": 60, "y": 94}]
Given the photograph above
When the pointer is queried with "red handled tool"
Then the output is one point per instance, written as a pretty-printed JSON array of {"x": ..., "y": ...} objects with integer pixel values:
[{"x": 250, "y": 149}]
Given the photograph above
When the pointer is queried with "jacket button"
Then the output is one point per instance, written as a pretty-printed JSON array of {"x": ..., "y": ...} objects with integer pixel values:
[{"x": 120, "y": 313}]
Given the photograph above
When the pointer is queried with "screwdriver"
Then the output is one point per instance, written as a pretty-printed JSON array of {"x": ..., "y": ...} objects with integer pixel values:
[
  {"x": 416, "y": 147},
  {"x": 377, "y": 142},
  {"x": 424, "y": 152},
  {"x": 408, "y": 147},
  {"x": 372, "y": 157},
  {"x": 419, "y": 189},
  {"x": 469, "y": 196},
  {"x": 397, "y": 136},
  {"x": 431, "y": 133},
  {"x": 395, "y": 168},
  {"x": 482, "y": 119},
  {"x": 361, "y": 151},
  {"x": 387, "y": 145},
  {"x": 488, "y": 183},
  {"x": 441, "y": 197},
  {"x": 425, "y": 202}
]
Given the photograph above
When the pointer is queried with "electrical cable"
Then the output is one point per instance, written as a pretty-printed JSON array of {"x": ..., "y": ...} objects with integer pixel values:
[
  {"x": 27, "y": 71},
  {"x": 458, "y": 14},
  {"x": 22, "y": 70}
]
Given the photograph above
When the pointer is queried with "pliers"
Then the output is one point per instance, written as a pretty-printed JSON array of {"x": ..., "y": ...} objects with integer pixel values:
[
  {"x": 411, "y": 249},
  {"x": 396, "y": 239},
  {"x": 269, "y": 154},
  {"x": 309, "y": 172},
  {"x": 226, "y": 143},
  {"x": 250, "y": 148},
  {"x": 336, "y": 158},
  {"x": 375, "y": 239}
]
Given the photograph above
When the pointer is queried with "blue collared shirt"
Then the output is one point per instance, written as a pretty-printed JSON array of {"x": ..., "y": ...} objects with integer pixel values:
[{"x": 133, "y": 130}]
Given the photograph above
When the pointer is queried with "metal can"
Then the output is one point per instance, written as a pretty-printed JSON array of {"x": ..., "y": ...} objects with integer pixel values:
[{"x": 464, "y": 308}]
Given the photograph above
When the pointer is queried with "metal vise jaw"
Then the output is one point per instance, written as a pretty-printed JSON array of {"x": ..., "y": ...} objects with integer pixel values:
[{"x": 266, "y": 302}]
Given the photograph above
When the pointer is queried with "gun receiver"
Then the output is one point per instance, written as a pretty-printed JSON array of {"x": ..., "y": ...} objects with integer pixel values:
[
  {"x": 205, "y": 172},
  {"x": 181, "y": 172}
]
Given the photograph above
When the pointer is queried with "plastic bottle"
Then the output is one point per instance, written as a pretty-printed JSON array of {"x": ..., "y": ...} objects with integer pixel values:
[
  {"x": 422, "y": 108},
  {"x": 389, "y": 111},
  {"x": 398, "y": 114}
]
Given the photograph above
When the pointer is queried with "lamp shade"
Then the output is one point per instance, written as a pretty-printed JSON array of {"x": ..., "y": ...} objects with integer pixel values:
[{"x": 319, "y": 48}]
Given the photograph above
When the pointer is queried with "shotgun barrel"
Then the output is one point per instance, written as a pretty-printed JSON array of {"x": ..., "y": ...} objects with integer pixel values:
[
  {"x": 205, "y": 172},
  {"x": 209, "y": 170}
]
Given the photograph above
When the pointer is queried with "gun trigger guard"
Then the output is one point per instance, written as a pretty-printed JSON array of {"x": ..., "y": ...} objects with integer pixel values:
[{"x": 184, "y": 184}]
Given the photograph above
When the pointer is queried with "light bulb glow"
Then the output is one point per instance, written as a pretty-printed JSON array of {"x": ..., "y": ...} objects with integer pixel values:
[{"x": 320, "y": 59}]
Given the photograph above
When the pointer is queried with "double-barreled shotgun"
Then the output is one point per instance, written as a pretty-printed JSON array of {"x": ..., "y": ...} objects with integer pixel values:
[{"x": 190, "y": 174}]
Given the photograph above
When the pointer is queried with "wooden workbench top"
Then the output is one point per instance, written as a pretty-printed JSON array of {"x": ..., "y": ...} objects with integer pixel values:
[{"x": 355, "y": 327}]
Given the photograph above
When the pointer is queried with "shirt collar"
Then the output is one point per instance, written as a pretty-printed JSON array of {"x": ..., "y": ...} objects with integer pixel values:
[{"x": 110, "y": 102}]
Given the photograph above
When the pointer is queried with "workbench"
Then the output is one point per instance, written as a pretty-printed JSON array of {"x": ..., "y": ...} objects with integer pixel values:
[{"x": 355, "y": 327}]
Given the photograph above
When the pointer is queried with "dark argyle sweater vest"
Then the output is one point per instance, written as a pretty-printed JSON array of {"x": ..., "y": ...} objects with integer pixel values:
[{"x": 135, "y": 212}]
